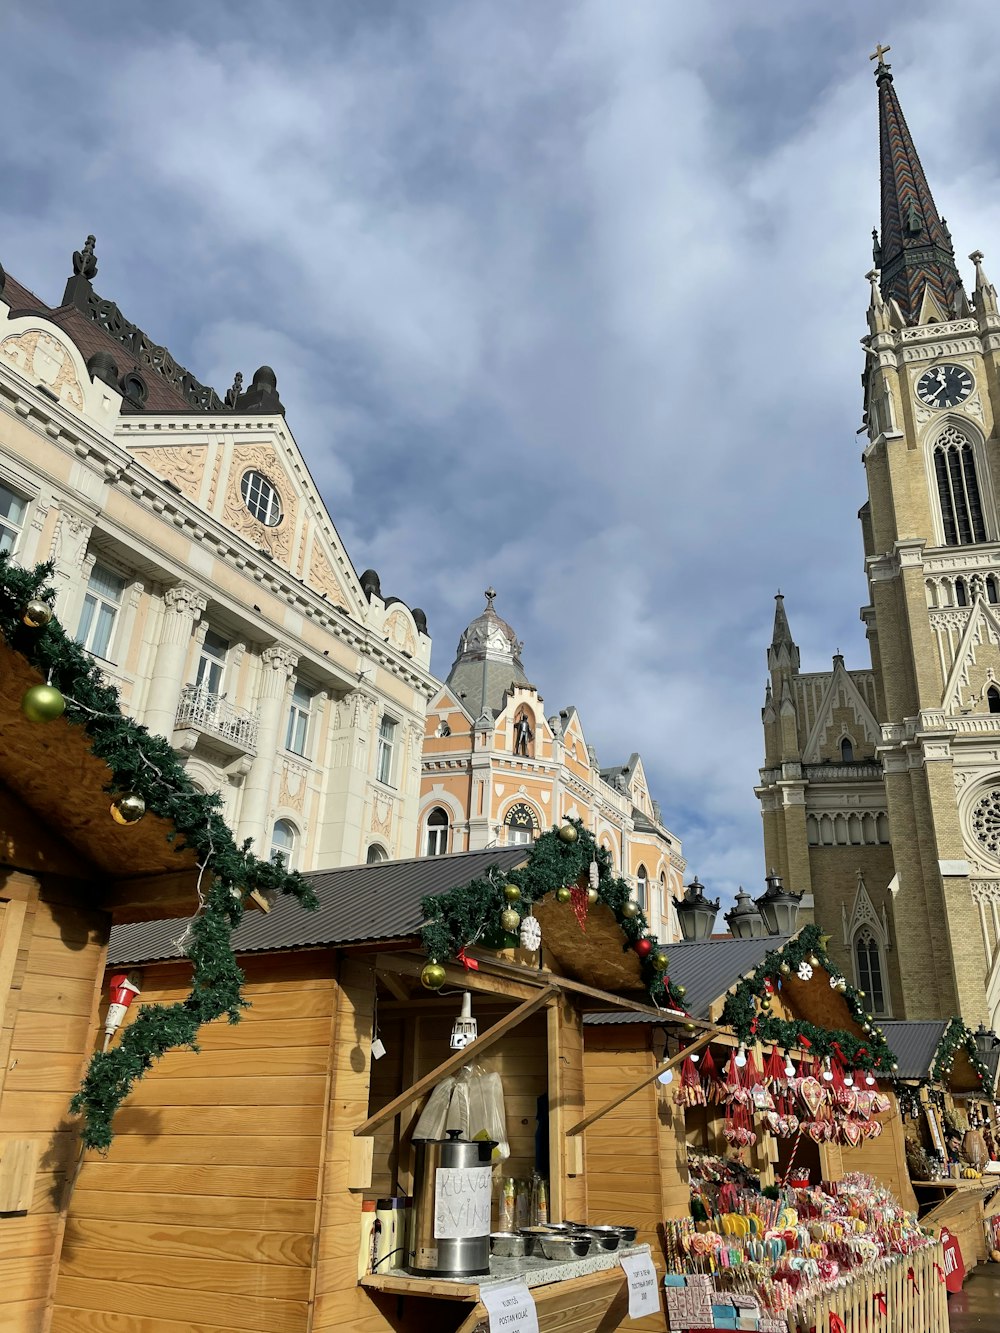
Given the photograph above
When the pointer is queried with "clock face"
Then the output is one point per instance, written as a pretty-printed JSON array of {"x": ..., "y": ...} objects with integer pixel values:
[{"x": 945, "y": 385}]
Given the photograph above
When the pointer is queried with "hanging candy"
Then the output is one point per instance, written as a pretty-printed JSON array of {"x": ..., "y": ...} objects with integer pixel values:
[{"x": 690, "y": 1092}]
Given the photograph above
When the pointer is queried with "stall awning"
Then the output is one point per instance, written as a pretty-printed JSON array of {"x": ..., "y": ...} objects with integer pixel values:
[{"x": 914, "y": 1045}]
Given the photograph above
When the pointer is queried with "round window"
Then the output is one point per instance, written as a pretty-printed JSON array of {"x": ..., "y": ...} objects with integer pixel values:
[
  {"x": 986, "y": 821},
  {"x": 261, "y": 498}
]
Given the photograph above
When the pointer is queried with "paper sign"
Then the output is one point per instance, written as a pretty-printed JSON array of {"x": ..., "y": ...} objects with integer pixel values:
[
  {"x": 462, "y": 1202},
  {"x": 643, "y": 1285},
  {"x": 511, "y": 1308}
]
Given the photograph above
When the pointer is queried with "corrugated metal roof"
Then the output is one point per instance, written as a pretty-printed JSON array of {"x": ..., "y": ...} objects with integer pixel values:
[
  {"x": 707, "y": 968},
  {"x": 356, "y": 904},
  {"x": 914, "y": 1044}
]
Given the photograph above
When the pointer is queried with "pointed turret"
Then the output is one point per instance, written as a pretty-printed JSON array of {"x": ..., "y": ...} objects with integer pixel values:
[
  {"x": 985, "y": 294},
  {"x": 782, "y": 652},
  {"x": 915, "y": 253}
]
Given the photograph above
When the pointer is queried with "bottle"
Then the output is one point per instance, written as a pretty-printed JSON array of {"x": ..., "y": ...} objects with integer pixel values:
[
  {"x": 366, "y": 1254},
  {"x": 522, "y": 1204},
  {"x": 505, "y": 1220},
  {"x": 386, "y": 1243},
  {"x": 533, "y": 1208},
  {"x": 543, "y": 1203}
]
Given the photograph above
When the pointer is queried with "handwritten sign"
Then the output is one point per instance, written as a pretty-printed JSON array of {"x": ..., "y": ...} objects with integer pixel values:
[
  {"x": 511, "y": 1308},
  {"x": 643, "y": 1286},
  {"x": 462, "y": 1202}
]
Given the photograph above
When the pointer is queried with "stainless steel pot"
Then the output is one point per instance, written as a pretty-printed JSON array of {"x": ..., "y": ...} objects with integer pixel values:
[{"x": 452, "y": 1192}]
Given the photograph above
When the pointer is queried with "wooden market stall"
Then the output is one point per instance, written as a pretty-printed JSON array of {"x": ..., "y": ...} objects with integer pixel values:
[
  {"x": 68, "y": 872},
  {"x": 237, "y": 1177}
]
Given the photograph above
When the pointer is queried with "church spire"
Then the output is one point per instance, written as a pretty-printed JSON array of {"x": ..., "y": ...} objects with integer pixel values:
[
  {"x": 915, "y": 253},
  {"x": 782, "y": 651}
]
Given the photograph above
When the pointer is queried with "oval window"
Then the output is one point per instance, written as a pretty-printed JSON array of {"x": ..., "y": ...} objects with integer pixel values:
[{"x": 261, "y": 498}]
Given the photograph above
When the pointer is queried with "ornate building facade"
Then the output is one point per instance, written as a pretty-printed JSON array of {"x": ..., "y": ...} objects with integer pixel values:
[
  {"x": 195, "y": 559},
  {"x": 880, "y": 792},
  {"x": 497, "y": 770}
]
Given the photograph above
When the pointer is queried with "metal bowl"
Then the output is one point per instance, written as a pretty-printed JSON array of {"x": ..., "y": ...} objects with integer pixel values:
[
  {"x": 507, "y": 1245},
  {"x": 628, "y": 1234},
  {"x": 564, "y": 1248},
  {"x": 604, "y": 1238}
]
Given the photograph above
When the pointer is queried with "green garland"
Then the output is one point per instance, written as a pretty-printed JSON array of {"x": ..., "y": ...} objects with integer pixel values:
[
  {"x": 957, "y": 1035},
  {"x": 870, "y": 1051},
  {"x": 146, "y": 764},
  {"x": 463, "y": 916}
]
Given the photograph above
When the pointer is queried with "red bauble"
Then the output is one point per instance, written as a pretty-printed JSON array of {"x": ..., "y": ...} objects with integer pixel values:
[{"x": 643, "y": 948}]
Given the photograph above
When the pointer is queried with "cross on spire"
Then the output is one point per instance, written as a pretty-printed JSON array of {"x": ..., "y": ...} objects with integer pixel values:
[
  {"x": 879, "y": 53},
  {"x": 490, "y": 594}
]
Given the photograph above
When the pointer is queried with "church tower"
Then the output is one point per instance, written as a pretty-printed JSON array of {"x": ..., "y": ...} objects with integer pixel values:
[{"x": 931, "y": 531}]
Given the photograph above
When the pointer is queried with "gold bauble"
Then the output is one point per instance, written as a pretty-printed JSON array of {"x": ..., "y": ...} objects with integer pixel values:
[
  {"x": 568, "y": 833},
  {"x": 128, "y": 808},
  {"x": 841, "y": 985},
  {"x": 42, "y": 703},
  {"x": 592, "y": 896},
  {"x": 785, "y": 969},
  {"x": 510, "y": 920},
  {"x": 511, "y": 892},
  {"x": 37, "y": 613},
  {"x": 563, "y": 894},
  {"x": 660, "y": 961},
  {"x": 630, "y": 909},
  {"x": 813, "y": 960},
  {"x": 680, "y": 991},
  {"x": 432, "y": 975}
]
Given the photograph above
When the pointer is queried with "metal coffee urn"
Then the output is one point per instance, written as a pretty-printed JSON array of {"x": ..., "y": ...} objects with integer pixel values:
[{"x": 452, "y": 1192}]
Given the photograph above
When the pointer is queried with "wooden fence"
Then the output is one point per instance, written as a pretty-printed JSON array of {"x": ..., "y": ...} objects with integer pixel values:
[{"x": 910, "y": 1285}]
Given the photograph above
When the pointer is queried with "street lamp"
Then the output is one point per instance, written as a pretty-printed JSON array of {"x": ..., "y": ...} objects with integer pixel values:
[
  {"x": 696, "y": 913},
  {"x": 778, "y": 906},
  {"x": 744, "y": 920},
  {"x": 986, "y": 1041}
]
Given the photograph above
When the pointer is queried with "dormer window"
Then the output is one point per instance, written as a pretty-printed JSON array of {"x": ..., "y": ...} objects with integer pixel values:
[
  {"x": 134, "y": 388},
  {"x": 261, "y": 498}
]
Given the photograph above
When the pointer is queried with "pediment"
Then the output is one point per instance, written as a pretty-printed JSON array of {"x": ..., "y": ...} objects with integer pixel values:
[
  {"x": 842, "y": 704},
  {"x": 977, "y": 662}
]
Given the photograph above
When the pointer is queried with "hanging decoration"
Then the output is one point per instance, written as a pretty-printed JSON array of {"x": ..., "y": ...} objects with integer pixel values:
[
  {"x": 557, "y": 864},
  {"x": 122, "y": 990},
  {"x": 743, "y": 1013},
  {"x": 128, "y": 808},
  {"x": 957, "y": 1037},
  {"x": 531, "y": 933},
  {"x": 42, "y": 703},
  {"x": 432, "y": 975},
  {"x": 147, "y": 766},
  {"x": 805, "y": 970}
]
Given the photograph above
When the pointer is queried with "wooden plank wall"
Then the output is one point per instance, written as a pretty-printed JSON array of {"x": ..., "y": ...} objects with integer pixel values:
[
  {"x": 51, "y": 962},
  {"x": 885, "y": 1157},
  {"x": 203, "y": 1212}
]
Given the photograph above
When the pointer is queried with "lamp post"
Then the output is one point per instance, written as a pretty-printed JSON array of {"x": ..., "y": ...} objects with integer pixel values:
[
  {"x": 744, "y": 920},
  {"x": 778, "y": 906},
  {"x": 986, "y": 1041},
  {"x": 696, "y": 913}
]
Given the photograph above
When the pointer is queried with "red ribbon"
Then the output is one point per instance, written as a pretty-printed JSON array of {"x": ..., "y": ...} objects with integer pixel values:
[
  {"x": 837, "y": 1324},
  {"x": 940, "y": 1272},
  {"x": 805, "y": 1043},
  {"x": 469, "y": 964},
  {"x": 912, "y": 1277},
  {"x": 879, "y": 1299}
]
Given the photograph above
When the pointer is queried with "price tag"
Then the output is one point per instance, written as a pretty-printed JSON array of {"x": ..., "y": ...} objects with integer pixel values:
[
  {"x": 643, "y": 1284},
  {"x": 511, "y": 1308},
  {"x": 462, "y": 1202}
]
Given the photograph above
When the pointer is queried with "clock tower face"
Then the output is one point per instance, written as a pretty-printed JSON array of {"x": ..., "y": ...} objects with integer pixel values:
[{"x": 945, "y": 385}]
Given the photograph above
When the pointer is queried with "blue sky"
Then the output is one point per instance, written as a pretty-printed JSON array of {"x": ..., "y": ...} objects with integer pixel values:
[{"x": 563, "y": 297}]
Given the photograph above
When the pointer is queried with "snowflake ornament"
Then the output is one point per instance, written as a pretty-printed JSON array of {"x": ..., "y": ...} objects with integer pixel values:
[
  {"x": 805, "y": 971},
  {"x": 836, "y": 982},
  {"x": 531, "y": 933}
]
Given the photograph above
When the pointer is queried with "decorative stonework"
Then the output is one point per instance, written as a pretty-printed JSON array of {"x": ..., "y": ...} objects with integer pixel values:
[
  {"x": 985, "y": 891},
  {"x": 323, "y": 578},
  {"x": 292, "y": 788},
  {"x": 985, "y": 820},
  {"x": 277, "y": 539},
  {"x": 184, "y": 465},
  {"x": 399, "y": 631},
  {"x": 381, "y": 822},
  {"x": 43, "y": 359}
]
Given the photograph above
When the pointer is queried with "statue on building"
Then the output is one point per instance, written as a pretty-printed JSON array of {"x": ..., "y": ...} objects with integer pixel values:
[{"x": 523, "y": 735}]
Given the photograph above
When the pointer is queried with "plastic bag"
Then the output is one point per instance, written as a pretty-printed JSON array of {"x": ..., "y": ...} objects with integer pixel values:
[
  {"x": 487, "y": 1117},
  {"x": 472, "y": 1103},
  {"x": 434, "y": 1117}
]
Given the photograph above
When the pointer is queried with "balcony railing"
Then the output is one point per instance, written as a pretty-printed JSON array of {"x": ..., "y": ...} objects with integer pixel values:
[{"x": 200, "y": 710}]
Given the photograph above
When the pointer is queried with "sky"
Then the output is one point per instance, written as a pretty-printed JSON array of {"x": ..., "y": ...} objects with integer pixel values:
[{"x": 562, "y": 295}]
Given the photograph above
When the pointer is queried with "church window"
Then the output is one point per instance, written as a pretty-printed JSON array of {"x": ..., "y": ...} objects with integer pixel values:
[
  {"x": 868, "y": 963},
  {"x": 12, "y": 509},
  {"x": 520, "y": 824},
  {"x": 991, "y": 590},
  {"x": 437, "y": 832},
  {"x": 870, "y": 830},
  {"x": 812, "y": 830},
  {"x": 993, "y": 699},
  {"x": 826, "y": 831},
  {"x": 641, "y": 887},
  {"x": 958, "y": 490},
  {"x": 882, "y": 827},
  {"x": 840, "y": 830},
  {"x": 854, "y": 830},
  {"x": 261, "y": 498},
  {"x": 985, "y": 820},
  {"x": 961, "y": 596},
  {"x": 847, "y": 750}
]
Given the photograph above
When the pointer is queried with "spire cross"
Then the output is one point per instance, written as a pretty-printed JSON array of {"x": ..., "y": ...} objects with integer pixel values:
[
  {"x": 879, "y": 53},
  {"x": 490, "y": 595}
]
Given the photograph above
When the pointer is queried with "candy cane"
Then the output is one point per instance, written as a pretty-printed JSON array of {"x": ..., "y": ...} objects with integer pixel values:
[{"x": 791, "y": 1160}]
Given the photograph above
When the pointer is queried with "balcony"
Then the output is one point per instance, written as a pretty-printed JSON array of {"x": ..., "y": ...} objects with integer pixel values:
[{"x": 201, "y": 714}]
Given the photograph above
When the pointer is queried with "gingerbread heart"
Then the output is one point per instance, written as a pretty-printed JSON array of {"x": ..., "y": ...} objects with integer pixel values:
[
  {"x": 812, "y": 1093},
  {"x": 816, "y": 1130},
  {"x": 873, "y": 1128},
  {"x": 851, "y": 1130}
]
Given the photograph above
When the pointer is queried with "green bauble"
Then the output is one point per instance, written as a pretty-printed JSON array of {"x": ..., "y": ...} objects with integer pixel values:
[
  {"x": 563, "y": 894},
  {"x": 432, "y": 975},
  {"x": 680, "y": 991},
  {"x": 42, "y": 703},
  {"x": 568, "y": 833},
  {"x": 510, "y": 920},
  {"x": 661, "y": 962},
  {"x": 37, "y": 613},
  {"x": 512, "y": 893}
]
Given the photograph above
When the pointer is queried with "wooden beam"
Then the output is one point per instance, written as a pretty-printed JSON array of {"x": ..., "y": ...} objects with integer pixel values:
[
  {"x": 411, "y": 965},
  {"x": 646, "y": 1079},
  {"x": 610, "y": 1000},
  {"x": 457, "y": 1060}
]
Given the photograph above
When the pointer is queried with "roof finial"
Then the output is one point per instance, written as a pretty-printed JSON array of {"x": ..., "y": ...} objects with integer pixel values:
[
  {"x": 879, "y": 54},
  {"x": 491, "y": 595},
  {"x": 84, "y": 261},
  {"x": 234, "y": 393}
]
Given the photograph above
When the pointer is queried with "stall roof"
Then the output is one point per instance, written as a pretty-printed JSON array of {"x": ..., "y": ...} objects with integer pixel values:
[
  {"x": 356, "y": 904},
  {"x": 914, "y": 1045},
  {"x": 707, "y": 968}
]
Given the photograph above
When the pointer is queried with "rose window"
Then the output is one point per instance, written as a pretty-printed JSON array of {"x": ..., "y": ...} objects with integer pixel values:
[{"x": 986, "y": 821}]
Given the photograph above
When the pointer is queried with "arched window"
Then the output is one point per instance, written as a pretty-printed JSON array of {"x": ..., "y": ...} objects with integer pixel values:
[
  {"x": 663, "y": 894},
  {"x": 812, "y": 830},
  {"x": 882, "y": 827},
  {"x": 961, "y": 595},
  {"x": 437, "y": 832},
  {"x": 520, "y": 824},
  {"x": 868, "y": 961},
  {"x": 847, "y": 751},
  {"x": 854, "y": 830},
  {"x": 641, "y": 885},
  {"x": 958, "y": 490},
  {"x": 376, "y": 854},
  {"x": 283, "y": 842},
  {"x": 991, "y": 590},
  {"x": 993, "y": 699}
]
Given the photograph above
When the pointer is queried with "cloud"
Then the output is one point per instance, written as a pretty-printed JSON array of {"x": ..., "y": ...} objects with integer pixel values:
[{"x": 562, "y": 297}]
